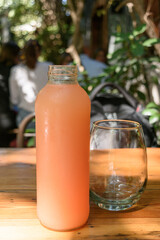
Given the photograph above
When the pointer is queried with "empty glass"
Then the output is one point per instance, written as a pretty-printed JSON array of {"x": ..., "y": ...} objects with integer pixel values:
[{"x": 118, "y": 164}]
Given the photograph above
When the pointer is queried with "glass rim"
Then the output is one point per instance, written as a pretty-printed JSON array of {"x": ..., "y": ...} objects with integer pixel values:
[{"x": 137, "y": 124}]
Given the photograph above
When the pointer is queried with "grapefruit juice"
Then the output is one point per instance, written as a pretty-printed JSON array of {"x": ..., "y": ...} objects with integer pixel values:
[{"x": 62, "y": 142}]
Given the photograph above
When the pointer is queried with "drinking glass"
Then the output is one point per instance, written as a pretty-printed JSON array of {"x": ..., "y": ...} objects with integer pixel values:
[{"x": 118, "y": 164}]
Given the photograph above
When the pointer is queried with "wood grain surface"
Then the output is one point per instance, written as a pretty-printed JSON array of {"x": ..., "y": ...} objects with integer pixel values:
[{"x": 18, "y": 218}]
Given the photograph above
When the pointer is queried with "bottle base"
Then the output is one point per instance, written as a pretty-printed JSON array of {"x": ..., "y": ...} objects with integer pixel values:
[
  {"x": 63, "y": 230},
  {"x": 62, "y": 227}
]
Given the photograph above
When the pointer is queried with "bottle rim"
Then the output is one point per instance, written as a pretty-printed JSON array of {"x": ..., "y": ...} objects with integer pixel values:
[{"x": 61, "y": 70}]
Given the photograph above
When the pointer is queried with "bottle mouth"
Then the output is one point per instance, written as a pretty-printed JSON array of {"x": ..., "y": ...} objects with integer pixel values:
[{"x": 61, "y": 70}]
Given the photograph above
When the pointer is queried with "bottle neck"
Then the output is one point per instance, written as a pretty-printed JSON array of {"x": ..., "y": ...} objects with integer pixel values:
[{"x": 62, "y": 74}]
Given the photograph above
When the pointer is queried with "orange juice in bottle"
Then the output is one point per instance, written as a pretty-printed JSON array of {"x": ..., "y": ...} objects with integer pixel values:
[{"x": 62, "y": 149}]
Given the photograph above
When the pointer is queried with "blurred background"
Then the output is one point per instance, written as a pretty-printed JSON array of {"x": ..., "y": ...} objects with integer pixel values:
[
  {"x": 121, "y": 35},
  {"x": 63, "y": 25},
  {"x": 57, "y": 24}
]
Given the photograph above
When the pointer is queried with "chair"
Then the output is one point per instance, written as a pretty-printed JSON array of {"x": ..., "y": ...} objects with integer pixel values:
[{"x": 21, "y": 130}]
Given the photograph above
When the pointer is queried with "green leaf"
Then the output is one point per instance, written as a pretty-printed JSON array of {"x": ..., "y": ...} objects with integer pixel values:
[
  {"x": 118, "y": 53},
  {"x": 131, "y": 37},
  {"x": 151, "y": 42},
  {"x": 155, "y": 80},
  {"x": 118, "y": 68},
  {"x": 121, "y": 37},
  {"x": 109, "y": 55},
  {"x": 149, "y": 111},
  {"x": 153, "y": 105},
  {"x": 141, "y": 95},
  {"x": 132, "y": 61},
  {"x": 119, "y": 40},
  {"x": 30, "y": 130},
  {"x": 155, "y": 118},
  {"x": 137, "y": 49},
  {"x": 153, "y": 66},
  {"x": 139, "y": 30},
  {"x": 154, "y": 59},
  {"x": 124, "y": 69},
  {"x": 110, "y": 69},
  {"x": 31, "y": 142}
]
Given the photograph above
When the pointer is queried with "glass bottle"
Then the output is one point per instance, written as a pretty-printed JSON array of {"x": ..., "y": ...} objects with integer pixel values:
[{"x": 62, "y": 148}]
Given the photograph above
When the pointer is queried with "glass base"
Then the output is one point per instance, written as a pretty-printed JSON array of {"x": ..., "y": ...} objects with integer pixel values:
[{"x": 114, "y": 205}]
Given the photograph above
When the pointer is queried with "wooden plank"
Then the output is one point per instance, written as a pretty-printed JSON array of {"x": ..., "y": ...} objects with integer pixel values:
[
  {"x": 147, "y": 207},
  {"x": 111, "y": 229},
  {"x": 18, "y": 217}
]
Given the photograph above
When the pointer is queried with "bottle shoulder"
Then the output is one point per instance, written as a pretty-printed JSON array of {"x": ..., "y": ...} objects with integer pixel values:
[{"x": 63, "y": 92}]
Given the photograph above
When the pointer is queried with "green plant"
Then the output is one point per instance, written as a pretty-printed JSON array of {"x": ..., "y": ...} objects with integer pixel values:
[
  {"x": 130, "y": 65},
  {"x": 152, "y": 110},
  {"x": 30, "y": 140},
  {"x": 132, "y": 62},
  {"x": 32, "y": 19}
]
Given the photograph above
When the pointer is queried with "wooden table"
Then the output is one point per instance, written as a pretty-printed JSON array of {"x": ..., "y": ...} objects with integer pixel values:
[{"x": 18, "y": 219}]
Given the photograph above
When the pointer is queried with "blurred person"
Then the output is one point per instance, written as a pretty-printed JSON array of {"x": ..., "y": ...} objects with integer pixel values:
[
  {"x": 27, "y": 79},
  {"x": 9, "y": 57},
  {"x": 65, "y": 59},
  {"x": 92, "y": 66},
  {"x": 100, "y": 55}
]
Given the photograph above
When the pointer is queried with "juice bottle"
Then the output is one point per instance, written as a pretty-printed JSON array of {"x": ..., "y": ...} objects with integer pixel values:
[{"x": 62, "y": 149}]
